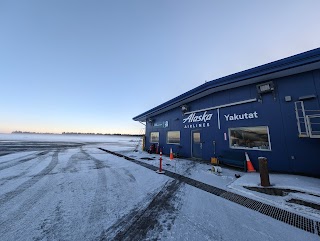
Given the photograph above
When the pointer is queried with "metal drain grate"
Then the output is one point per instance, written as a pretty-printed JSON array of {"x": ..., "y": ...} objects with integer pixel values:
[
  {"x": 234, "y": 198},
  {"x": 274, "y": 212},
  {"x": 285, "y": 216},
  {"x": 288, "y": 217},
  {"x": 317, "y": 224}
]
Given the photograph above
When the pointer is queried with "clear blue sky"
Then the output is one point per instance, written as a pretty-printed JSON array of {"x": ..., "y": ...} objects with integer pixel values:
[{"x": 90, "y": 66}]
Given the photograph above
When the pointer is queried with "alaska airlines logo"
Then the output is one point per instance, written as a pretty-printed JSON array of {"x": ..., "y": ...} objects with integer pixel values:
[{"x": 197, "y": 118}]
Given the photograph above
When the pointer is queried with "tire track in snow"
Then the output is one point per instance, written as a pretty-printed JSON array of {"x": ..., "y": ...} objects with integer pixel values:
[
  {"x": 51, "y": 228},
  {"x": 18, "y": 158},
  {"x": 137, "y": 224},
  {"x": 128, "y": 173},
  {"x": 39, "y": 159},
  {"x": 99, "y": 205},
  {"x": 100, "y": 208},
  {"x": 24, "y": 186},
  {"x": 15, "y": 163},
  {"x": 159, "y": 214},
  {"x": 57, "y": 225},
  {"x": 22, "y": 211},
  {"x": 73, "y": 160}
]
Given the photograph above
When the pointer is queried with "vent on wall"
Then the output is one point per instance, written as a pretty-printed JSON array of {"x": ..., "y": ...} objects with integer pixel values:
[{"x": 307, "y": 97}]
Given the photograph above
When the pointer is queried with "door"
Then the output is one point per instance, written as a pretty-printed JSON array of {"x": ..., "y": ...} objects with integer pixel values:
[{"x": 196, "y": 144}]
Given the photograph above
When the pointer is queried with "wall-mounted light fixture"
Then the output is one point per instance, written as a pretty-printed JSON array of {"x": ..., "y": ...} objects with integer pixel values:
[
  {"x": 150, "y": 120},
  {"x": 184, "y": 108},
  {"x": 267, "y": 87}
]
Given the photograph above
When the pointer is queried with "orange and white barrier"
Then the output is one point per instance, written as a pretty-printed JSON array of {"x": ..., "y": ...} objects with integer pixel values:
[{"x": 160, "y": 171}]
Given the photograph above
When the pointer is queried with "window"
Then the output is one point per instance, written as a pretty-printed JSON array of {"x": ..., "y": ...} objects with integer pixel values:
[
  {"x": 154, "y": 137},
  {"x": 196, "y": 137},
  {"x": 255, "y": 138},
  {"x": 173, "y": 137}
]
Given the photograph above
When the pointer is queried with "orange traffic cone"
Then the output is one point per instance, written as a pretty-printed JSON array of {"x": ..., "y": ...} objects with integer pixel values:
[
  {"x": 250, "y": 167},
  {"x": 171, "y": 154}
]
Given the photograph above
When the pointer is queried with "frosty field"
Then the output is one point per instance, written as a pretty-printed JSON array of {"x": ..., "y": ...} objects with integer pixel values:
[{"x": 65, "y": 188}]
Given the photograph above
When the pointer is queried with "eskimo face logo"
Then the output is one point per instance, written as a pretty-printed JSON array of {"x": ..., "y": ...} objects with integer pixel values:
[{"x": 197, "y": 118}]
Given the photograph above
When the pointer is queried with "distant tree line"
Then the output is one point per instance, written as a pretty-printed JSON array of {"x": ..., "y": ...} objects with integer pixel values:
[
  {"x": 30, "y": 132},
  {"x": 75, "y": 133},
  {"x": 100, "y": 134}
]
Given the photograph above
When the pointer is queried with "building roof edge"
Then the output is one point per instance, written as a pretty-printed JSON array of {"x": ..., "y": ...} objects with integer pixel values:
[{"x": 294, "y": 61}]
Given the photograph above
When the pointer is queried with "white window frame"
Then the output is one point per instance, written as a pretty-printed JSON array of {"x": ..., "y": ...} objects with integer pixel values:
[
  {"x": 151, "y": 137},
  {"x": 248, "y": 148},
  {"x": 171, "y": 142}
]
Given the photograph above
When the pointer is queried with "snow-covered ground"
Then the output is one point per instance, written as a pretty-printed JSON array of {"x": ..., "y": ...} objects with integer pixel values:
[
  {"x": 308, "y": 188},
  {"x": 82, "y": 193}
]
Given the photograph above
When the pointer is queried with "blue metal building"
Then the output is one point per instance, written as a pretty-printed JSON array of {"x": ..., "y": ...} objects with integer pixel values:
[{"x": 271, "y": 110}]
